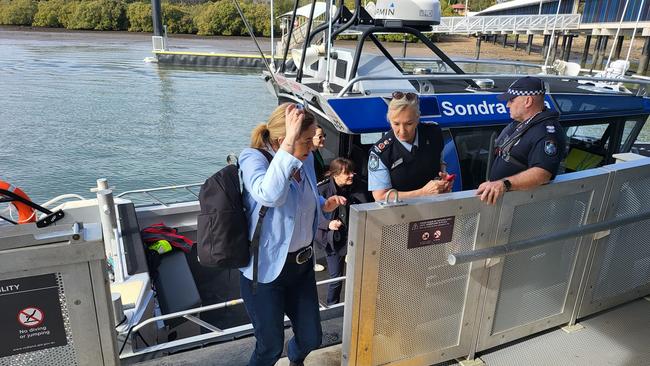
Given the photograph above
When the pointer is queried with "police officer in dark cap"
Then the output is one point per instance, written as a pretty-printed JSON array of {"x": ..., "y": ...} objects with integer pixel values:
[
  {"x": 408, "y": 158},
  {"x": 529, "y": 150}
]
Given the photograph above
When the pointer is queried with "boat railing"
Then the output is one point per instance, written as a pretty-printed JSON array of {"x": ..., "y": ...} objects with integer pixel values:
[
  {"x": 168, "y": 190},
  {"x": 642, "y": 83},
  {"x": 214, "y": 333},
  {"x": 67, "y": 197},
  {"x": 471, "y": 65}
]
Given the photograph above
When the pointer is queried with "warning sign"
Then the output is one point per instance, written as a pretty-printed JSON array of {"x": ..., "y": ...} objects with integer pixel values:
[
  {"x": 30, "y": 314},
  {"x": 430, "y": 232},
  {"x": 31, "y": 317}
]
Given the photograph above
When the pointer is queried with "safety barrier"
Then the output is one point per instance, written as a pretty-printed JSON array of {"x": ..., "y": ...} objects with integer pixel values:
[
  {"x": 54, "y": 296},
  {"x": 405, "y": 303}
]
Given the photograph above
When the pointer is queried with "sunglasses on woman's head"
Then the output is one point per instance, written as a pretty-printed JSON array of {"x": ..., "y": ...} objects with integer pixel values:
[{"x": 409, "y": 96}]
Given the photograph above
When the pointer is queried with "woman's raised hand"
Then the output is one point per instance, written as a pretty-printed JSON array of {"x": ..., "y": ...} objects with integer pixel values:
[
  {"x": 333, "y": 202},
  {"x": 293, "y": 120}
]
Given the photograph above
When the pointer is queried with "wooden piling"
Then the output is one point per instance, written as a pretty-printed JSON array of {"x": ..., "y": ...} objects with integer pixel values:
[
  {"x": 547, "y": 38},
  {"x": 516, "y": 41},
  {"x": 585, "y": 53},
  {"x": 596, "y": 56},
  {"x": 567, "y": 53},
  {"x": 619, "y": 46},
  {"x": 645, "y": 57}
]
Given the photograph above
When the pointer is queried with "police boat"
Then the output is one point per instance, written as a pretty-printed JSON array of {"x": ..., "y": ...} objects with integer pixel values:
[{"x": 348, "y": 90}]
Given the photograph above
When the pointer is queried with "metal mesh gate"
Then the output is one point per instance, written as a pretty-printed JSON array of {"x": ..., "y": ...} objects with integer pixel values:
[
  {"x": 534, "y": 283},
  {"x": 406, "y": 305},
  {"x": 420, "y": 299},
  {"x": 620, "y": 270}
]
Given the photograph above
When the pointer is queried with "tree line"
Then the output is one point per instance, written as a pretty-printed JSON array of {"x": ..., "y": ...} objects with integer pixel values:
[
  {"x": 208, "y": 18},
  {"x": 192, "y": 17}
]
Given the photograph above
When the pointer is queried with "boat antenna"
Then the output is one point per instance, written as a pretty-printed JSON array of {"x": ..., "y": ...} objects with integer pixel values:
[
  {"x": 272, "y": 39},
  {"x": 328, "y": 46},
  {"x": 548, "y": 52},
  {"x": 618, "y": 29},
  {"x": 250, "y": 31},
  {"x": 636, "y": 25}
]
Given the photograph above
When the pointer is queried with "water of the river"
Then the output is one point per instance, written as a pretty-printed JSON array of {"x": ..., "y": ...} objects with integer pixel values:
[{"x": 75, "y": 107}]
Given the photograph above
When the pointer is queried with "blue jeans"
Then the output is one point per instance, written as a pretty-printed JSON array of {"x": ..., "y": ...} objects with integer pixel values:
[{"x": 292, "y": 293}]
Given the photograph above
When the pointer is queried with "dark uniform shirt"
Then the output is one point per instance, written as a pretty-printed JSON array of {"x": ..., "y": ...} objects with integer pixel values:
[
  {"x": 408, "y": 170},
  {"x": 538, "y": 142}
]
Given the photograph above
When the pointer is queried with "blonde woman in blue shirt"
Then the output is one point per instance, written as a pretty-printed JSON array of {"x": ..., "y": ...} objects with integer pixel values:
[{"x": 286, "y": 277}]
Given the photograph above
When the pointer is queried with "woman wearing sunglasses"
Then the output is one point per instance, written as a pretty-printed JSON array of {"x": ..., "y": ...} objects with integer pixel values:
[{"x": 408, "y": 157}]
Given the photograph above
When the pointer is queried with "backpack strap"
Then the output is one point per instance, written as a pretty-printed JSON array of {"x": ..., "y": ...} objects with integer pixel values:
[{"x": 255, "y": 243}]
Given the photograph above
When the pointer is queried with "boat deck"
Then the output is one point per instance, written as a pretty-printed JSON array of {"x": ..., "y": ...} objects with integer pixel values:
[{"x": 617, "y": 337}]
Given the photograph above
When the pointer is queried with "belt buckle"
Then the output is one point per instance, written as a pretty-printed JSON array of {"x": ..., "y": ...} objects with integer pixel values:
[{"x": 305, "y": 253}]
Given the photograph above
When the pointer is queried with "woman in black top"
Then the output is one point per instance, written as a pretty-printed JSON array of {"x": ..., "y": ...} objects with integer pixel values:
[{"x": 332, "y": 235}]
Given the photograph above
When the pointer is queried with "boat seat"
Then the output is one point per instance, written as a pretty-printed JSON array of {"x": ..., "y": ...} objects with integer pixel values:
[
  {"x": 175, "y": 286},
  {"x": 135, "y": 258}
]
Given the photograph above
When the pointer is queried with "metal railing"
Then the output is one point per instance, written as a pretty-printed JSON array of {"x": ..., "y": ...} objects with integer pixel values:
[
  {"x": 643, "y": 84},
  {"x": 508, "y": 23},
  {"x": 148, "y": 192},
  {"x": 214, "y": 331},
  {"x": 601, "y": 229}
]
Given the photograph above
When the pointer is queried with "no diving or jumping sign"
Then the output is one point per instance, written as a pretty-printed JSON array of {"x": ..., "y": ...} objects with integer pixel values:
[{"x": 31, "y": 317}]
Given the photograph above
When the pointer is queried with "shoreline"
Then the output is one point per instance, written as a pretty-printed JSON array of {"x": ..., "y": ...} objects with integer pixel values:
[{"x": 460, "y": 46}]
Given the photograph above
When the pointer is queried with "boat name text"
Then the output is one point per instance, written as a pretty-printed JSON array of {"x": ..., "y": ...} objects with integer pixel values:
[{"x": 484, "y": 108}]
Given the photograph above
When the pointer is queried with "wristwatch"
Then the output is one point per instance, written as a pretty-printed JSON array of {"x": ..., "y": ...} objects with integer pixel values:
[{"x": 507, "y": 184}]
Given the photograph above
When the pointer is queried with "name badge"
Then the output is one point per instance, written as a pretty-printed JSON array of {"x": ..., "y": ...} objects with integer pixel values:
[{"x": 397, "y": 163}]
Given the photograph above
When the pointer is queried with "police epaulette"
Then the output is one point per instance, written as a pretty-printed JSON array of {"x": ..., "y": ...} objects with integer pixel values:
[
  {"x": 322, "y": 182},
  {"x": 381, "y": 145}
]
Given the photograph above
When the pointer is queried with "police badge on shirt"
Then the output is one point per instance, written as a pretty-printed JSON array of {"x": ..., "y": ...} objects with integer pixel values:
[
  {"x": 550, "y": 147},
  {"x": 373, "y": 163}
]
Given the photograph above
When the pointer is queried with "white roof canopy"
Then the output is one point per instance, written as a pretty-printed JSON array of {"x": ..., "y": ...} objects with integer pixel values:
[
  {"x": 304, "y": 11},
  {"x": 513, "y": 4}
]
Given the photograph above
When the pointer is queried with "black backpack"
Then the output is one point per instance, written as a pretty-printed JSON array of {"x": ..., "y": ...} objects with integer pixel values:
[{"x": 222, "y": 227}]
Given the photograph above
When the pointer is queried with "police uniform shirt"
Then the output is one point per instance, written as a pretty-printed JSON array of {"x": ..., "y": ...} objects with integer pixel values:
[
  {"x": 541, "y": 145},
  {"x": 401, "y": 167}
]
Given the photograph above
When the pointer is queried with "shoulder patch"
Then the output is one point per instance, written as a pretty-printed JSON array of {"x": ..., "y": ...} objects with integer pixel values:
[
  {"x": 550, "y": 148},
  {"x": 550, "y": 129},
  {"x": 381, "y": 145},
  {"x": 373, "y": 163}
]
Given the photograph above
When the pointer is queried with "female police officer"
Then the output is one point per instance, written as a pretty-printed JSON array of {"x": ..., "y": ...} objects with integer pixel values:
[{"x": 408, "y": 158}]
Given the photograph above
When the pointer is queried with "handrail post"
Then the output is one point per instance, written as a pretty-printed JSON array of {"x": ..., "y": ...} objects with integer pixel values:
[{"x": 108, "y": 218}]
